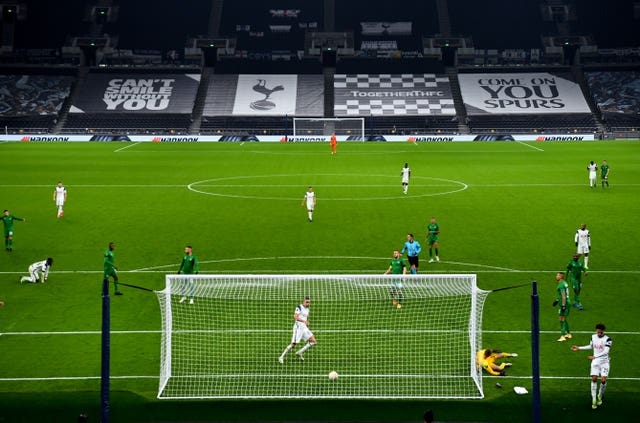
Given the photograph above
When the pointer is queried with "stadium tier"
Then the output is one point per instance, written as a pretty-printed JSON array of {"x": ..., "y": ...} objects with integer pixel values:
[
  {"x": 621, "y": 122},
  {"x": 128, "y": 123},
  {"x": 27, "y": 124},
  {"x": 617, "y": 95},
  {"x": 527, "y": 124},
  {"x": 246, "y": 125}
]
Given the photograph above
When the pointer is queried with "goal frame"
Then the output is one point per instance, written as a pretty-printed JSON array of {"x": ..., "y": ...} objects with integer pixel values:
[
  {"x": 329, "y": 127},
  {"x": 170, "y": 292}
]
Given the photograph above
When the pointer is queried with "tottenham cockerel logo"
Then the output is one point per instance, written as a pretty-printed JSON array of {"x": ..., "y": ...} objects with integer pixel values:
[{"x": 264, "y": 104}]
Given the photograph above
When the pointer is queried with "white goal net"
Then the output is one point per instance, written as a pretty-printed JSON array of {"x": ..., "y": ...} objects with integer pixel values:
[
  {"x": 227, "y": 343},
  {"x": 350, "y": 127}
]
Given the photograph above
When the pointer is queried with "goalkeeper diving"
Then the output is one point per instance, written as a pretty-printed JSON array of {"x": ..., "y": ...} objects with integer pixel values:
[{"x": 486, "y": 358}]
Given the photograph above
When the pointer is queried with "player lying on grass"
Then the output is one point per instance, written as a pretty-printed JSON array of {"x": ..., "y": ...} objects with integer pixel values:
[
  {"x": 487, "y": 358},
  {"x": 38, "y": 271}
]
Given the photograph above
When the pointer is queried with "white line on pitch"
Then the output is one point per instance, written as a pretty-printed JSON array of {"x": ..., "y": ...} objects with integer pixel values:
[
  {"x": 454, "y": 183},
  {"x": 58, "y": 378},
  {"x": 327, "y": 272},
  {"x": 138, "y": 332},
  {"x": 530, "y": 146},
  {"x": 125, "y": 147}
]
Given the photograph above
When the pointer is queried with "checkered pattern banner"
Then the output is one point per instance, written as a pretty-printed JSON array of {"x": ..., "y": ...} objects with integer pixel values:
[{"x": 398, "y": 94}]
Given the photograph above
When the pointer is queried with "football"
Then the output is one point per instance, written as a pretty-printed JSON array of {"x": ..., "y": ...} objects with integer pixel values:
[{"x": 333, "y": 375}]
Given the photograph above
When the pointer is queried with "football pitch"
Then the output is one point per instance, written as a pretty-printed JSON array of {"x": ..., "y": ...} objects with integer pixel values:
[{"x": 508, "y": 212}]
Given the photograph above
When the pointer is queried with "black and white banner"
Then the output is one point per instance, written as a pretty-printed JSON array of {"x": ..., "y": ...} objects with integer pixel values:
[
  {"x": 386, "y": 28},
  {"x": 385, "y": 94},
  {"x": 150, "y": 93},
  {"x": 265, "y": 95},
  {"x": 521, "y": 93}
]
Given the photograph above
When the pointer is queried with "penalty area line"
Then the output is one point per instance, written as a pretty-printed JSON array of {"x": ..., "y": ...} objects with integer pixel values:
[
  {"x": 530, "y": 146},
  {"x": 125, "y": 147},
  {"x": 80, "y": 378}
]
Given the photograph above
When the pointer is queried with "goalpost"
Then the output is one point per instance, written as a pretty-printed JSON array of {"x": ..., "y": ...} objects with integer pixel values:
[
  {"x": 353, "y": 127},
  {"x": 227, "y": 343}
]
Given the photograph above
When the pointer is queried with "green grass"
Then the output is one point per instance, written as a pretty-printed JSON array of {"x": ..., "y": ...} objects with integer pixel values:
[{"x": 513, "y": 222}]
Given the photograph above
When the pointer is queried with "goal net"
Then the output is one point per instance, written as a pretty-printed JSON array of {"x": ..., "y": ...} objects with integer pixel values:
[
  {"x": 227, "y": 343},
  {"x": 351, "y": 127}
]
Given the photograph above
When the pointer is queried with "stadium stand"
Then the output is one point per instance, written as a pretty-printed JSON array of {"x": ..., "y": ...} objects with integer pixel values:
[
  {"x": 525, "y": 124},
  {"x": 495, "y": 25},
  {"x": 31, "y": 103},
  {"x": 127, "y": 123},
  {"x": 617, "y": 95},
  {"x": 276, "y": 28},
  {"x": 273, "y": 38},
  {"x": 246, "y": 125}
]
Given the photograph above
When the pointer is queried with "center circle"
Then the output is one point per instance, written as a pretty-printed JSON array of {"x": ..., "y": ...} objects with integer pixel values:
[{"x": 331, "y": 187}]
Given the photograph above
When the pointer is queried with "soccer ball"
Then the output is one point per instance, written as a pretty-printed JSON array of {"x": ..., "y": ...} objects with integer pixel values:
[{"x": 333, "y": 375}]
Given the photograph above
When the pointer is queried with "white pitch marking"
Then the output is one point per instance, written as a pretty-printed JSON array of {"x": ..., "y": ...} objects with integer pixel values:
[
  {"x": 59, "y": 378},
  {"x": 127, "y": 146},
  {"x": 158, "y": 331},
  {"x": 530, "y": 146}
]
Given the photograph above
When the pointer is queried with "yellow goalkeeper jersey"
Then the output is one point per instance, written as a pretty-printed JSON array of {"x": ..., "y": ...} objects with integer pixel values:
[{"x": 486, "y": 363}]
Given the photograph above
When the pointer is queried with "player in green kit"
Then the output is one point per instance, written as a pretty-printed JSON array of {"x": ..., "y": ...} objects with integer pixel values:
[
  {"x": 575, "y": 268},
  {"x": 397, "y": 267},
  {"x": 8, "y": 219},
  {"x": 604, "y": 173},
  {"x": 189, "y": 266},
  {"x": 563, "y": 300},
  {"x": 110, "y": 268},
  {"x": 433, "y": 230}
]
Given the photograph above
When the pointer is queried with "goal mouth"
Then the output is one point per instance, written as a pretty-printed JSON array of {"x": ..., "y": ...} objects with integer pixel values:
[
  {"x": 228, "y": 341},
  {"x": 350, "y": 127}
]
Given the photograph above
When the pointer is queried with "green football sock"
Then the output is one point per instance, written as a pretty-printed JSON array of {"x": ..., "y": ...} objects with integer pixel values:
[
  {"x": 562, "y": 332},
  {"x": 566, "y": 327},
  {"x": 577, "y": 297},
  {"x": 115, "y": 284}
]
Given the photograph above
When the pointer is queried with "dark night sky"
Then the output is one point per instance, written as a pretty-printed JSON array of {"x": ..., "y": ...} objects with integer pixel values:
[{"x": 163, "y": 24}]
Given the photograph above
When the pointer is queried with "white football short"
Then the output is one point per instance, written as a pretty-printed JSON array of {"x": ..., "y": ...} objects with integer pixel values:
[
  {"x": 599, "y": 368},
  {"x": 583, "y": 249},
  {"x": 300, "y": 333}
]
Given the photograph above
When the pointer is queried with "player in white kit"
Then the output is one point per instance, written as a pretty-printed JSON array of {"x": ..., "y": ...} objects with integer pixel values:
[
  {"x": 593, "y": 169},
  {"x": 60, "y": 197},
  {"x": 601, "y": 345},
  {"x": 301, "y": 331},
  {"x": 38, "y": 271},
  {"x": 582, "y": 239},
  {"x": 310, "y": 199},
  {"x": 406, "y": 174}
]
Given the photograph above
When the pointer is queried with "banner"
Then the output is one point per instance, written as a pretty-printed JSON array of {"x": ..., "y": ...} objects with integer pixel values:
[
  {"x": 379, "y": 45},
  {"x": 423, "y": 138},
  {"x": 384, "y": 94},
  {"x": 386, "y": 28},
  {"x": 520, "y": 93},
  {"x": 148, "y": 93},
  {"x": 265, "y": 95}
]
